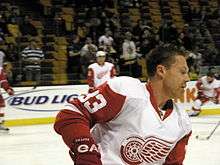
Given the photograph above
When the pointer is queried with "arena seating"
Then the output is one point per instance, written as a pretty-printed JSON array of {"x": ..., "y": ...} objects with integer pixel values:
[{"x": 55, "y": 41}]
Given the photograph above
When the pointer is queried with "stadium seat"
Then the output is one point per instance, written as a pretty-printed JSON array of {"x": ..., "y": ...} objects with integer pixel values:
[
  {"x": 14, "y": 30},
  {"x": 10, "y": 40},
  {"x": 68, "y": 10},
  {"x": 60, "y": 40},
  {"x": 151, "y": 12},
  {"x": 46, "y": 3}
]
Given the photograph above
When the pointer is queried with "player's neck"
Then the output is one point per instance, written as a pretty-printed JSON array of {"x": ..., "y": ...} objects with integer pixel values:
[
  {"x": 159, "y": 93},
  {"x": 101, "y": 63}
]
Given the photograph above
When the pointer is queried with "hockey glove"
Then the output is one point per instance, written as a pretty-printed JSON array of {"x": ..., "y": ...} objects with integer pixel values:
[
  {"x": 10, "y": 92},
  {"x": 85, "y": 152}
]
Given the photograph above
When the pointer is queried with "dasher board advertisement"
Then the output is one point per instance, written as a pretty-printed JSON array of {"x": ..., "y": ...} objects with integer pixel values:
[{"x": 44, "y": 102}]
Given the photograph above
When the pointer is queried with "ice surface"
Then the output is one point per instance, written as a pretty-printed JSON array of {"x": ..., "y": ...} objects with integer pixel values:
[
  {"x": 40, "y": 145},
  {"x": 204, "y": 152}
]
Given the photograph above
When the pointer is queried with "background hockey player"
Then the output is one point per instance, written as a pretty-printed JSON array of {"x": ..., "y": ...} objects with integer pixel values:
[
  {"x": 133, "y": 123},
  {"x": 208, "y": 90},
  {"x": 5, "y": 85},
  {"x": 100, "y": 71}
]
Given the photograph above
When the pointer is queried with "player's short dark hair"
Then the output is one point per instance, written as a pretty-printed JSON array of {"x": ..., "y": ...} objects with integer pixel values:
[
  {"x": 162, "y": 55},
  {"x": 210, "y": 74}
]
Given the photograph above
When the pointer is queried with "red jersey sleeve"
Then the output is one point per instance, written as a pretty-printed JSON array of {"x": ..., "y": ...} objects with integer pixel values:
[
  {"x": 217, "y": 95},
  {"x": 177, "y": 155},
  {"x": 113, "y": 72},
  {"x": 90, "y": 77},
  {"x": 199, "y": 85},
  {"x": 4, "y": 82},
  {"x": 74, "y": 123}
]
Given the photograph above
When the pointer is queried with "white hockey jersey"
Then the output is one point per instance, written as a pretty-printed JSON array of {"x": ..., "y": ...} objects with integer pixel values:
[
  {"x": 210, "y": 88},
  {"x": 98, "y": 74},
  {"x": 129, "y": 129}
]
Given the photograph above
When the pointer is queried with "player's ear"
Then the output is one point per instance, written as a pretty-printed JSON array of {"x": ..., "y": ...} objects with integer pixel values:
[{"x": 161, "y": 71}]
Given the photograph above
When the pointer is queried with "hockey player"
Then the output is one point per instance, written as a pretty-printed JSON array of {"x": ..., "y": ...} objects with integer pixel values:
[
  {"x": 133, "y": 123},
  {"x": 5, "y": 85},
  {"x": 208, "y": 90},
  {"x": 100, "y": 72}
]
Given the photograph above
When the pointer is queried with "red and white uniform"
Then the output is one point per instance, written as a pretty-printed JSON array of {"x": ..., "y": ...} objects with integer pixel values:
[
  {"x": 99, "y": 74},
  {"x": 128, "y": 126},
  {"x": 206, "y": 91},
  {"x": 210, "y": 88},
  {"x": 5, "y": 85}
]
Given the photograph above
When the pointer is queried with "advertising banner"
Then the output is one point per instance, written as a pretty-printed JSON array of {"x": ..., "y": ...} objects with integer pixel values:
[
  {"x": 44, "y": 102},
  {"x": 41, "y": 101}
]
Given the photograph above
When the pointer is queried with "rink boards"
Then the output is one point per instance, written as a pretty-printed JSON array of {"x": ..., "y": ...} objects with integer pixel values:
[{"x": 40, "y": 105}]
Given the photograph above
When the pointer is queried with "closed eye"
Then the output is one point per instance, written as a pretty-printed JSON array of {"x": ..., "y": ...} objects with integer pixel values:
[{"x": 184, "y": 72}]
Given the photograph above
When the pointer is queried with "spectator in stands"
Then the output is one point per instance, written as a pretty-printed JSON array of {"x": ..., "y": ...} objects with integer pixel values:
[
  {"x": 73, "y": 54},
  {"x": 100, "y": 71},
  {"x": 32, "y": 56},
  {"x": 146, "y": 46},
  {"x": 184, "y": 41},
  {"x": 129, "y": 56},
  {"x": 114, "y": 22},
  {"x": 82, "y": 30},
  {"x": 138, "y": 30},
  {"x": 27, "y": 28},
  {"x": 164, "y": 32},
  {"x": 195, "y": 59},
  {"x": 60, "y": 25},
  {"x": 106, "y": 39},
  {"x": 12, "y": 53},
  {"x": 129, "y": 47},
  {"x": 173, "y": 33},
  {"x": 106, "y": 44},
  {"x": 87, "y": 54},
  {"x": 148, "y": 40},
  {"x": 145, "y": 33},
  {"x": 187, "y": 30}
]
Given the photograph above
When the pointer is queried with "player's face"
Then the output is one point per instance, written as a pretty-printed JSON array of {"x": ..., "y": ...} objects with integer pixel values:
[
  {"x": 210, "y": 79},
  {"x": 100, "y": 60},
  {"x": 176, "y": 77}
]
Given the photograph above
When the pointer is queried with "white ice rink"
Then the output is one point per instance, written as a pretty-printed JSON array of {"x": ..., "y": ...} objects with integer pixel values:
[{"x": 39, "y": 145}]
